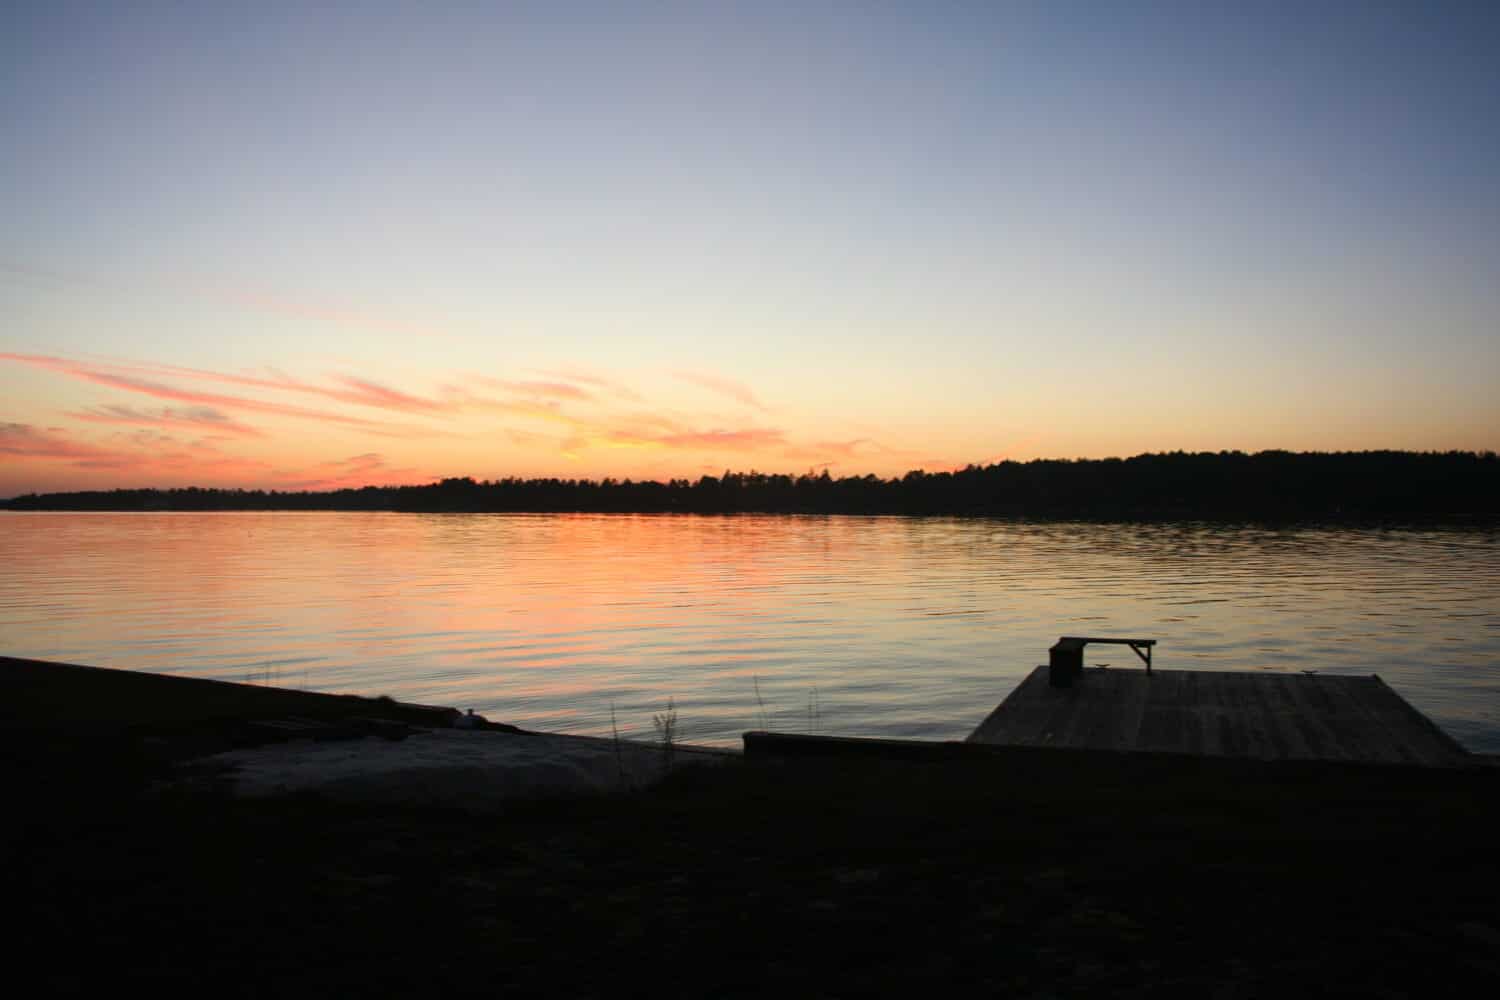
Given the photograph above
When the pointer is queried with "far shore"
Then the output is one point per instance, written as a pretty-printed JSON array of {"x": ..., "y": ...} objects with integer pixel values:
[{"x": 1365, "y": 487}]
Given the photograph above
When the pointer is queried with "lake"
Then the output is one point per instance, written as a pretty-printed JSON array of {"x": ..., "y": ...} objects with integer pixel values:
[{"x": 877, "y": 626}]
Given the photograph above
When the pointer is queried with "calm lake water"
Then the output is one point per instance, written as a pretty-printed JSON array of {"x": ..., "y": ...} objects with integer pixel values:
[{"x": 846, "y": 625}]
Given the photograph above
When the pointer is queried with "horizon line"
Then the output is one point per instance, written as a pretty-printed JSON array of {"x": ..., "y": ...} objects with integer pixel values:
[{"x": 1480, "y": 454}]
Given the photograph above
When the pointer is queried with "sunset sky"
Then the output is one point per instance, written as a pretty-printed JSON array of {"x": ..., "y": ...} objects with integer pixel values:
[{"x": 310, "y": 245}]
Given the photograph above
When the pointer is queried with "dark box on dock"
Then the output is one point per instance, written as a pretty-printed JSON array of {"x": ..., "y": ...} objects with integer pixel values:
[{"x": 1065, "y": 664}]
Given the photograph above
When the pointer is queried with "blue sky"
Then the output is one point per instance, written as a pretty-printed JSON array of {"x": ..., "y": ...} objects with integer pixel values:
[{"x": 918, "y": 234}]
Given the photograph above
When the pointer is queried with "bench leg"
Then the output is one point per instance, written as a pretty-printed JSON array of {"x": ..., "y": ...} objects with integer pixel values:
[{"x": 1145, "y": 656}]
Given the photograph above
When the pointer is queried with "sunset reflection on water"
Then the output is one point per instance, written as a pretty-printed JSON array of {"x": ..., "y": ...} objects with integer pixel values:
[{"x": 848, "y": 625}]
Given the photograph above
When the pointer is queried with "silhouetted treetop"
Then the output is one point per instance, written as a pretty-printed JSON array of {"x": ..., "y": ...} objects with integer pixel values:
[{"x": 1274, "y": 485}]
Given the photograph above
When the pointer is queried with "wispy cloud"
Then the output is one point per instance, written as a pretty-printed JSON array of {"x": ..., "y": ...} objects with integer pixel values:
[
  {"x": 611, "y": 386},
  {"x": 523, "y": 438},
  {"x": 547, "y": 417},
  {"x": 162, "y": 391},
  {"x": 368, "y": 469},
  {"x": 723, "y": 440},
  {"x": 28, "y": 441},
  {"x": 153, "y": 456},
  {"x": 745, "y": 439},
  {"x": 724, "y": 386},
  {"x": 367, "y": 393},
  {"x": 535, "y": 399},
  {"x": 350, "y": 388},
  {"x": 144, "y": 452},
  {"x": 198, "y": 418},
  {"x": 528, "y": 400},
  {"x": 102, "y": 375},
  {"x": 525, "y": 387},
  {"x": 547, "y": 411},
  {"x": 828, "y": 452}
]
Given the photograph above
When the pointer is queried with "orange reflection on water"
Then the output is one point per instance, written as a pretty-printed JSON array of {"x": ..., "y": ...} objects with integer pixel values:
[{"x": 891, "y": 626}]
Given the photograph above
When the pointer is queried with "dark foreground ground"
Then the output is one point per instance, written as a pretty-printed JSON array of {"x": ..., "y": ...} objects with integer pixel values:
[{"x": 1045, "y": 873}]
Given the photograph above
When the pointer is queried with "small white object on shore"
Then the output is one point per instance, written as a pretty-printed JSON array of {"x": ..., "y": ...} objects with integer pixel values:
[
  {"x": 470, "y": 721},
  {"x": 454, "y": 768}
]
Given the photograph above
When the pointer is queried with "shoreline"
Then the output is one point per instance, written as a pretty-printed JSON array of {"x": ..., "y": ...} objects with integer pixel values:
[
  {"x": 1472, "y": 521},
  {"x": 1029, "y": 872},
  {"x": 258, "y": 741}
]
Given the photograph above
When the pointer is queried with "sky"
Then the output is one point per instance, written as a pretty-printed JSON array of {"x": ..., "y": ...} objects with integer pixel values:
[{"x": 313, "y": 245}]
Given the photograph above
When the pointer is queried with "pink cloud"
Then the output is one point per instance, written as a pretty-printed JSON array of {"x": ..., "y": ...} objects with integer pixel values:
[
  {"x": 359, "y": 391},
  {"x": 827, "y": 451},
  {"x": 524, "y": 438},
  {"x": 845, "y": 449},
  {"x": 199, "y": 418},
  {"x": 26, "y": 441},
  {"x": 131, "y": 383},
  {"x": 369, "y": 469},
  {"x": 550, "y": 412},
  {"x": 724, "y": 386},
  {"x": 714, "y": 440},
  {"x": 145, "y": 452},
  {"x": 534, "y": 414},
  {"x": 534, "y": 400},
  {"x": 161, "y": 391},
  {"x": 744, "y": 440},
  {"x": 558, "y": 390},
  {"x": 159, "y": 459},
  {"x": 369, "y": 393},
  {"x": 648, "y": 423},
  {"x": 611, "y": 386}
]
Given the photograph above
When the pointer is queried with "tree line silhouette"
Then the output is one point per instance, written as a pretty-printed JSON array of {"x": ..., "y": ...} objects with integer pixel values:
[{"x": 1274, "y": 485}]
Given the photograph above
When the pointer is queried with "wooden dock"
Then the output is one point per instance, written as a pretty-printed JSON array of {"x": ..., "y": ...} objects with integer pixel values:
[{"x": 1263, "y": 715}]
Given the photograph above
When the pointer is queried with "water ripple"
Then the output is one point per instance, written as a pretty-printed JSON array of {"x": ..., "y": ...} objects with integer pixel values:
[{"x": 854, "y": 625}]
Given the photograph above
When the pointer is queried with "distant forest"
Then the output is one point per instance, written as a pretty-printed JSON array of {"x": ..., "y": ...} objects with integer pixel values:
[{"x": 1230, "y": 485}]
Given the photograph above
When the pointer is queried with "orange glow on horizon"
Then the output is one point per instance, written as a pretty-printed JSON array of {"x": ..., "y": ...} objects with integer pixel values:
[
  {"x": 518, "y": 427},
  {"x": 560, "y": 423}
]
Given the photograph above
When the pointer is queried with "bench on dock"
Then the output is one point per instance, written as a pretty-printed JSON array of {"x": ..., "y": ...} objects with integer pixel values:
[{"x": 1065, "y": 658}]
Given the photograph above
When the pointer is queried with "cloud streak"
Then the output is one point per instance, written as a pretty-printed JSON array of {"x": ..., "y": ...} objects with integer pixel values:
[
  {"x": 725, "y": 440},
  {"x": 355, "y": 390},
  {"x": 530, "y": 398},
  {"x": 533, "y": 420},
  {"x": 610, "y": 386},
  {"x": 145, "y": 453},
  {"x": 151, "y": 457},
  {"x": 740, "y": 440},
  {"x": 555, "y": 390},
  {"x": 27, "y": 441},
  {"x": 358, "y": 471},
  {"x": 826, "y": 450},
  {"x": 197, "y": 418},
  {"x": 737, "y": 391},
  {"x": 159, "y": 390}
]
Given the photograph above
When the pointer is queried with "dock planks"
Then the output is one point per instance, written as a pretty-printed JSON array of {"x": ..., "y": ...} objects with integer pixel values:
[{"x": 1265, "y": 716}]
